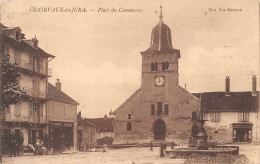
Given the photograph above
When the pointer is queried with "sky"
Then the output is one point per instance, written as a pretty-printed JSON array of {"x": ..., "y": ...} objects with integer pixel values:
[{"x": 98, "y": 58}]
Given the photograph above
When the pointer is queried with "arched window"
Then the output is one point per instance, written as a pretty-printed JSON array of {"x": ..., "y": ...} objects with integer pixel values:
[
  {"x": 156, "y": 66},
  {"x": 163, "y": 66},
  {"x": 152, "y": 67},
  {"x": 167, "y": 66}
]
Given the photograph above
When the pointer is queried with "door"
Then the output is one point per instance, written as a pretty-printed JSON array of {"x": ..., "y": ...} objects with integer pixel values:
[
  {"x": 242, "y": 135},
  {"x": 159, "y": 130},
  {"x": 33, "y": 137}
]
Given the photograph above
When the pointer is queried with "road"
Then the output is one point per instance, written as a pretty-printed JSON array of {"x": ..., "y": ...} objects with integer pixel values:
[{"x": 119, "y": 156}]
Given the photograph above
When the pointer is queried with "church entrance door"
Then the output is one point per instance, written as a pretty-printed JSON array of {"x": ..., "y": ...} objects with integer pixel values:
[{"x": 159, "y": 130}]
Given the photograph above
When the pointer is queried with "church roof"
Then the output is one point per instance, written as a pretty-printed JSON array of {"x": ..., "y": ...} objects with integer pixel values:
[
  {"x": 161, "y": 37},
  {"x": 236, "y": 102}
]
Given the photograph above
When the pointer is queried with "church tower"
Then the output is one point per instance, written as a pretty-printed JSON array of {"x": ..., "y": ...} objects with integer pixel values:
[
  {"x": 160, "y": 64},
  {"x": 160, "y": 109}
]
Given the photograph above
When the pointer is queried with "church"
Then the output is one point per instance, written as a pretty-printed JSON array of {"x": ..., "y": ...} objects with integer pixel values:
[{"x": 160, "y": 109}]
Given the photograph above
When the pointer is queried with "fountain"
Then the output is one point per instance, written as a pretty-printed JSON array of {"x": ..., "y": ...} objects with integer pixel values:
[{"x": 198, "y": 143}]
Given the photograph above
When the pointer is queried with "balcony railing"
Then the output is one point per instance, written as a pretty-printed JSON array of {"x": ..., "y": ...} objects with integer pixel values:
[
  {"x": 34, "y": 92},
  {"x": 39, "y": 68},
  {"x": 30, "y": 119}
]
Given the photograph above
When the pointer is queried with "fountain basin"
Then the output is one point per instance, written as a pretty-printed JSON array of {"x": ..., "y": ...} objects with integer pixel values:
[{"x": 213, "y": 151}]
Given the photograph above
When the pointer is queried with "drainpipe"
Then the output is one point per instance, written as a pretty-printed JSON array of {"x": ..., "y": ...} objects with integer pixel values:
[{"x": 47, "y": 93}]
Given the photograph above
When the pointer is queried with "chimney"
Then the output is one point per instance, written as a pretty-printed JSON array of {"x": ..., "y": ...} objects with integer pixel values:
[
  {"x": 254, "y": 85},
  {"x": 227, "y": 86},
  {"x": 58, "y": 84}
]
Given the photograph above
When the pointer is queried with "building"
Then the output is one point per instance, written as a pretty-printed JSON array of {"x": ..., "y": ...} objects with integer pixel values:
[
  {"x": 28, "y": 117},
  {"x": 104, "y": 127},
  {"x": 62, "y": 118},
  {"x": 86, "y": 134},
  {"x": 160, "y": 109},
  {"x": 232, "y": 116}
]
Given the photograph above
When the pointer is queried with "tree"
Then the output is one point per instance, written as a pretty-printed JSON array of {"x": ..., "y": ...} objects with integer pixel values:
[{"x": 11, "y": 93}]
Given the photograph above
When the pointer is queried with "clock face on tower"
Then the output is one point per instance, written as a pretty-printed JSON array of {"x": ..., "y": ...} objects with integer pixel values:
[{"x": 159, "y": 80}]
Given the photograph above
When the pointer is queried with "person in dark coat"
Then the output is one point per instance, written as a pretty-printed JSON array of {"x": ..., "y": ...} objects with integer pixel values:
[
  {"x": 9, "y": 144},
  {"x": 12, "y": 145},
  {"x": 172, "y": 145},
  {"x": 18, "y": 142},
  {"x": 161, "y": 150}
]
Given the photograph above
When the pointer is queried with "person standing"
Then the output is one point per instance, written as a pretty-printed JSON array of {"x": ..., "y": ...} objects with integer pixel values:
[
  {"x": 12, "y": 145},
  {"x": 161, "y": 150},
  {"x": 172, "y": 145}
]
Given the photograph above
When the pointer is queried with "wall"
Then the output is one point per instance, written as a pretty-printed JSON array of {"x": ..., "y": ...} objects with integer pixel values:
[
  {"x": 105, "y": 134},
  {"x": 62, "y": 112},
  {"x": 178, "y": 122},
  {"x": 89, "y": 136},
  {"x": 225, "y": 128}
]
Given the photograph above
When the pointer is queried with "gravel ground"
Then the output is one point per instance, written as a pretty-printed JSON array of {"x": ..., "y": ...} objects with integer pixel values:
[{"x": 120, "y": 156}]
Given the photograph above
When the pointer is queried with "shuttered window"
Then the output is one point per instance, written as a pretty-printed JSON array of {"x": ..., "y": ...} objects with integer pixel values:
[
  {"x": 215, "y": 117},
  {"x": 17, "y": 57},
  {"x": 30, "y": 109},
  {"x": 243, "y": 116},
  {"x": 17, "y": 109}
]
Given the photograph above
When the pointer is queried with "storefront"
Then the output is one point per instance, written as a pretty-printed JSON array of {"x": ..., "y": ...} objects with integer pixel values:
[
  {"x": 61, "y": 134},
  {"x": 242, "y": 132}
]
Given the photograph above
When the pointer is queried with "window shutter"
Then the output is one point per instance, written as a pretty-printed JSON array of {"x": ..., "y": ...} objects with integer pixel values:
[
  {"x": 19, "y": 57},
  {"x": 31, "y": 62},
  {"x": 38, "y": 108},
  {"x": 30, "y": 109},
  {"x": 41, "y": 110},
  {"x": 240, "y": 117},
  {"x": 17, "y": 109},
  {"x": 15, "y": 56},
  {"x": 41, "y": 66},
  {"x": 246, "y": 116},
  {"x": 212, "y": 116},
  {"x": 218, "y": 117}
]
